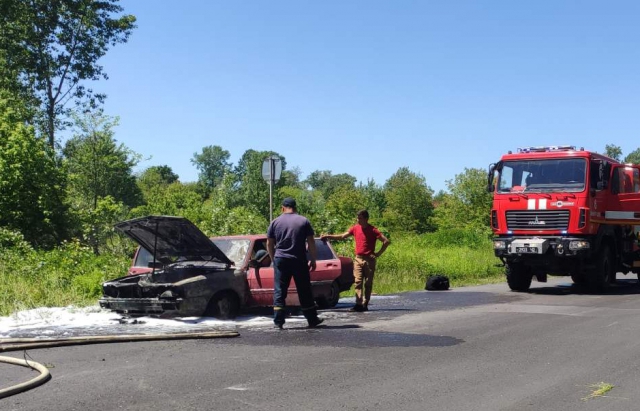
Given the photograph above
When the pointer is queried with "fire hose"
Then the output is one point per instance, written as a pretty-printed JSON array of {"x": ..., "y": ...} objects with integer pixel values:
[{"x": 16, "y": 344}]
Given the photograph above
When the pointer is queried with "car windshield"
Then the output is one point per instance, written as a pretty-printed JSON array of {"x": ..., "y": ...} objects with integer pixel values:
[
  {"x": 235, "y": 249},
  {"x": 565, "y": 175}
]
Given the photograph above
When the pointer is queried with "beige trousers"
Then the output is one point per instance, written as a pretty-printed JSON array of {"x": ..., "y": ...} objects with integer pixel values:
[{"x": 364, "y": 268}]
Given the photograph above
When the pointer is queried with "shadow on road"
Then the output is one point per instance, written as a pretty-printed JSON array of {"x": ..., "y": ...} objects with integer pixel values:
[
  {"x": 622, "y": 287},
  {"x": 346, "y": 336}
]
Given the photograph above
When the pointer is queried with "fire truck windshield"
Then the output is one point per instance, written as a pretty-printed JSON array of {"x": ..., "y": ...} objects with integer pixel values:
[{"x": 557, "y": 175}]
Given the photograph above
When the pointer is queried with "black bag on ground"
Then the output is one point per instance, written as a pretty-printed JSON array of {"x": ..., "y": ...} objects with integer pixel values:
[{"x": 437, "y": 283}]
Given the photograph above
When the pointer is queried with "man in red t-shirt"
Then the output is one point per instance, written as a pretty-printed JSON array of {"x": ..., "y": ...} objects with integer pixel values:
[{"x": 364, "y": 265}]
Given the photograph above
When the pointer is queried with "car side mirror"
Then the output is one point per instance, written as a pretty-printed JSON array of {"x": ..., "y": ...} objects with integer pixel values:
[{"x": 155, "y": 264}]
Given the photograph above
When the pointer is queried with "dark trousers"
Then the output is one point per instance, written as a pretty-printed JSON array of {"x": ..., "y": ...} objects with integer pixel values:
[{"x": 284, "y": 270}]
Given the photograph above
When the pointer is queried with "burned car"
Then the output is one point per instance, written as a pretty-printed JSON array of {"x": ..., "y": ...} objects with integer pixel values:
[{"x": 178, "y": 271}]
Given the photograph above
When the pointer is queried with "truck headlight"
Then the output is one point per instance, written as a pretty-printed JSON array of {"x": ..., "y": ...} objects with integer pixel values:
[
  {"x": 579, "y": 245},
  {"x": 499, "y": 245}
]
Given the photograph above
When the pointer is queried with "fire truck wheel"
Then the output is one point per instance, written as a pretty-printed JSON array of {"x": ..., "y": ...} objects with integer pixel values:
[
  {"x": 579, "y": 278},
  {"x": 518, "y": 277},
  {"x": 601, "y": 276}
]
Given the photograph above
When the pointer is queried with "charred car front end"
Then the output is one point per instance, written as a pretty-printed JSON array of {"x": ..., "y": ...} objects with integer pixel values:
[{"x": 190, "y": 276}]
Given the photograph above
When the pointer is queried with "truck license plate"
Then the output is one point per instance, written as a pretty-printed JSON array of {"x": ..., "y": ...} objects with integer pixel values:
[{"x": 527, "y": 250}]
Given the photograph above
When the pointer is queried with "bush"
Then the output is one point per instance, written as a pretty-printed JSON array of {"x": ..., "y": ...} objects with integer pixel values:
[
  {"x": 13, "y": 239},
  {"x": 70, "y": 274}
]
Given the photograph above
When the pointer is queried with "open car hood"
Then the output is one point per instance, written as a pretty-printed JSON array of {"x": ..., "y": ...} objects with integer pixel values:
[{"x": 172, "y": 238}]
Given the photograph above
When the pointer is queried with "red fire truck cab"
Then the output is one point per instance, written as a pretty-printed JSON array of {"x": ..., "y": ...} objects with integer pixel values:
[{"x": 564, "y": 211}]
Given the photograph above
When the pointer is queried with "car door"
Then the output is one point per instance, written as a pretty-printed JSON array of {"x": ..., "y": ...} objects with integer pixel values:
[
  {"x": 327, "y": 263},
  {"x": 261, "y": 278},
  {"x": 623, "y": 206}
]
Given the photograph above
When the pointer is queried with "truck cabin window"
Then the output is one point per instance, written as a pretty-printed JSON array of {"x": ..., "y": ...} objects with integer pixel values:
[
  {"x": 626, "y": 181},
  {"x": 562, "y": 175}
]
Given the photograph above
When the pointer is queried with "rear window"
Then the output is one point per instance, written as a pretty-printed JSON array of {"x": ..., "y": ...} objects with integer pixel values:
[
  {"x": 323, "y": 251},
  {"x": 143, "y": 258}
]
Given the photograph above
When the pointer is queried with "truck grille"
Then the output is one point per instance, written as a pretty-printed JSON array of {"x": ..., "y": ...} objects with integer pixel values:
[{"x": 538, "y": 220}]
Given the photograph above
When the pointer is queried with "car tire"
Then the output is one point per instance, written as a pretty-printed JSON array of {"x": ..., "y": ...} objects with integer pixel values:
[
  {"x": 224, "y": 306},
  {"x": 332, "y": 299}
]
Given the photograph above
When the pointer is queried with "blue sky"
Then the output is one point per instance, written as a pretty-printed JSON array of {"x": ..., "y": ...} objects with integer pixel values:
[{"x": 367, "y": 87}]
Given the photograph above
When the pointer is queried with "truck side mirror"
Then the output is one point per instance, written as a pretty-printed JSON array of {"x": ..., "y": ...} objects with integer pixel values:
[{"x": 490, "y": 188}]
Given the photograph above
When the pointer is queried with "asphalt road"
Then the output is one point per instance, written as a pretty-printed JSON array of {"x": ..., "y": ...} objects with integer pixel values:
[{"x": 475, "y": 348}]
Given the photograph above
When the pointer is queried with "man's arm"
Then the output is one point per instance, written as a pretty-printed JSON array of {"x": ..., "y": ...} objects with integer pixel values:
[
  {"x": 271, "y": 249},
  {"x": 385, "y": 243},
  {"x": 335, "y": 236},
  {"x": 312, "y": 252}
]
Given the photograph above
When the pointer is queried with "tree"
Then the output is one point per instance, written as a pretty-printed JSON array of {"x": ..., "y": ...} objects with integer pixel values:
[
  {"x": 328, "y": 183},
  {"x": 633, "y": 157},
  {"x": 99, "y": 168},
  {"x": 220, "y": 218},
  {"x": 175, "y": 199},
  {"x": 155, "y": 178},
  {"x": 253, "y": 191},
  {"x": 613, "y": 151},
  {"x": 311, "y": 204},
  {"x": 52, "y": 46},
  {"x": 342, "y": 207},
  {"x": 375, "y": 202},
  {"x": 213, "y": 163},
  {"x": 31, "y": 183},
  {"x": 409, "y": 204},
  {"x": 467, "y": 205},
  {"x": 291, "y": 178},
  {"x": 158, "y": 175}
]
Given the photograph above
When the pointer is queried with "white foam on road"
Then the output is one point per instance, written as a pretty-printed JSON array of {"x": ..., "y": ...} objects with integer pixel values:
[{"x": 68, "y": 321}]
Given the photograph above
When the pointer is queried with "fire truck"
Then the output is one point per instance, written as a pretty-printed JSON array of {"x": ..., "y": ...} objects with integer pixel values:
[{"x": 562, "y": 211}]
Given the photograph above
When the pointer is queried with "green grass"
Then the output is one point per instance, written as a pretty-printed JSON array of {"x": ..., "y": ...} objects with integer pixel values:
[
  {"x": 408, "y": 262},
  {"x": 73, "y": 275},
  {"x": 599, "y": 390}
]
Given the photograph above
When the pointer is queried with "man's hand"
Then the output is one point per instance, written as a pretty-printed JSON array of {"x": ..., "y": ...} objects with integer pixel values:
[{"x": 312, "y": 265}]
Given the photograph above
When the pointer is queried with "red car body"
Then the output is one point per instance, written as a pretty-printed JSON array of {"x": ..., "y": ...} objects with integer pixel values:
[{"x": 332, "y": 275}]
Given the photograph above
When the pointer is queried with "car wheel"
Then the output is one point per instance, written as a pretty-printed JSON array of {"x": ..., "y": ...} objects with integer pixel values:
[
  {"x": 224, "y": 306},
  {"x": 331, "y": 299}
]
